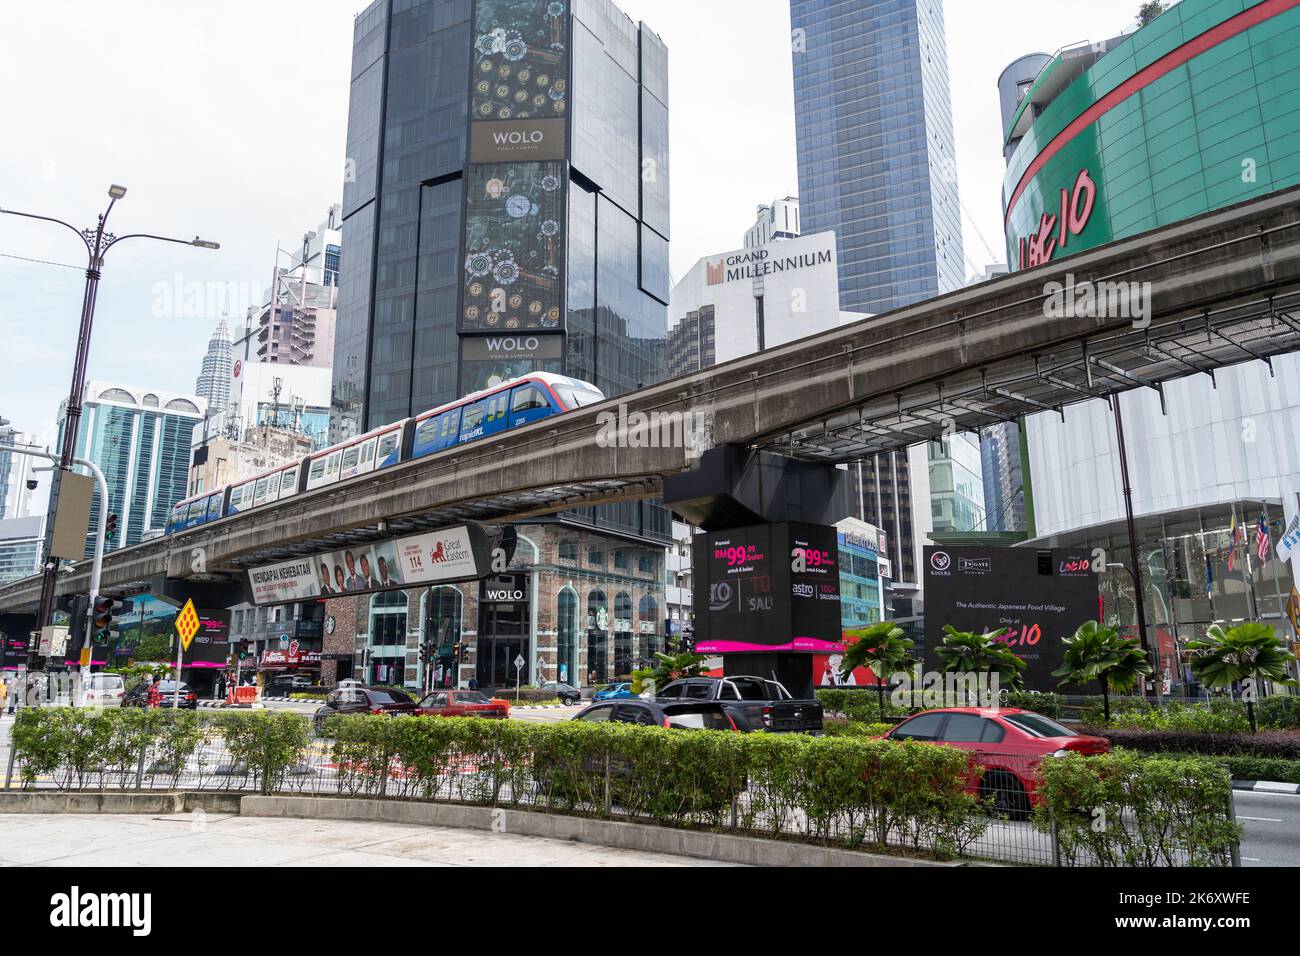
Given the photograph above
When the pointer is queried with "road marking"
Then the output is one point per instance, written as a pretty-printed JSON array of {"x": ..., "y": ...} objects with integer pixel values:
[
  {"x": 1251, "y": 859},
  {"x": 1260, "y": 819}
]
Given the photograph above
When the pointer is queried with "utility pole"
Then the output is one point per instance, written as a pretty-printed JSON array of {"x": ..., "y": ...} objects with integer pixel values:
[
  {"x": 97, "y": 242},
  {"x": 97, "y": 563}
]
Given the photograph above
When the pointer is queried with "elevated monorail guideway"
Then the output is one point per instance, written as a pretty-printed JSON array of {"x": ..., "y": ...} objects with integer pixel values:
[{"x": 1217, "y": 290}]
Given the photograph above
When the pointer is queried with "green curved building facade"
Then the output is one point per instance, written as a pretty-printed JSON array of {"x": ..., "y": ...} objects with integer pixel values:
[{"x": 1198, "y": 110}]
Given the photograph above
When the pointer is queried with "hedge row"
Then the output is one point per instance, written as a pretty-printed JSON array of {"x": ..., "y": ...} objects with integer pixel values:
[
  {"x": 92, "y": 748},
  {"x": 850, "y": 791},
  {"x": 1271, "y": 744},
  {"x": 1124, "y": 809},
  {"x": 854, "y": 792}
]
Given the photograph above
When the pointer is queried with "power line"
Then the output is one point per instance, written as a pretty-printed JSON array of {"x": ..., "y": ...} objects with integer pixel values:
[{"x": 44, "y": 262}]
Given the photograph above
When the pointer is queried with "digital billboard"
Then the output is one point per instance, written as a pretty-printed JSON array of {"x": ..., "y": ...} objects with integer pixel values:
[
  {"x": 767, "y": 588},
  {"x": 521, "y": 59},
  {"x": 1041, "y": 597},
  {"x": 514, "y": 245}
]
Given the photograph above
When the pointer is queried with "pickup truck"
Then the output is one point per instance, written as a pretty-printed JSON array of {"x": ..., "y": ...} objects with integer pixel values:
[{"x": 754, "y": 703}]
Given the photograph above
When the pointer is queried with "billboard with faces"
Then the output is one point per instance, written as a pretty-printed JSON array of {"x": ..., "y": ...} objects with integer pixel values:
[{"x": 455, "y": 554}]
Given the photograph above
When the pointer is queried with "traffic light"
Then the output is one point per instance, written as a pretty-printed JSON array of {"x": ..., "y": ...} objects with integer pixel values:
[
  {"x": 104, "y": 623},
  {"x": 110, "y": 527},
  {"x": 243, "y": 650}
]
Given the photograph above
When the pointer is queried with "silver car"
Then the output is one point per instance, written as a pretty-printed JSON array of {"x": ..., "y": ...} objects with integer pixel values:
[{"x": 105, "y": 690}]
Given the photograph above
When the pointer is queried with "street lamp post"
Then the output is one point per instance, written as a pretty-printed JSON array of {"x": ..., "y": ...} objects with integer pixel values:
[{"x": 97, "y": 241}]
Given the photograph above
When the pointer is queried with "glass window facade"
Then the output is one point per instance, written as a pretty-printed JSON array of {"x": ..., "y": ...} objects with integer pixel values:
[
  {"x": 437, "y": 248},
  {"x": 144, "y": 453},
  {"x": 875, "y": 147}
]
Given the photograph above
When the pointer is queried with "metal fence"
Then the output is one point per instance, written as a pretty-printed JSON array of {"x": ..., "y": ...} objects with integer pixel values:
[{"x": 1001, "y": 821}]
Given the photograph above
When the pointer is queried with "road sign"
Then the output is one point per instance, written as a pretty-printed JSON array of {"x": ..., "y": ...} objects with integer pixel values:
[
  {"x": 519, "y": 661},
  {"x": 85, "y": 657},
  {"x": 187, "y": 624}
]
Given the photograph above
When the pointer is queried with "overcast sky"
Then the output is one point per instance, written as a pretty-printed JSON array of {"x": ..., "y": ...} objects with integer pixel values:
[{"x": 227, "y": 119}]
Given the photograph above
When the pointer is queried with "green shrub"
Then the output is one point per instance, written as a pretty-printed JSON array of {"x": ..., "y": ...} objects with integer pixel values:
[
  {"x": 266, "y": 744},
  {"x": 1261, "y": 768},
  {"x": 839, "y": 727},
  {"x": 1219, "y": 718},
  {"x": 1127, "y": 809},
  {"x": 1049, "y": 705},
  {"x": 1279, "y": 712}
]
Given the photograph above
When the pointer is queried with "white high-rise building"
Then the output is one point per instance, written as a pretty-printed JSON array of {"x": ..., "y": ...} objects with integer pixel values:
[{"x": 15, "y": 472}]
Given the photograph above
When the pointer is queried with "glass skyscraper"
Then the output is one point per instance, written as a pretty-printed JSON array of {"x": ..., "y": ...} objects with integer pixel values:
[
  {"x": 505, "y": 210},
  {"x": 506, "y": 203},
  {"x": 141, "y": 440},
  {"x": 873, "y": 118},
  {"x": 877, "y": 166}
]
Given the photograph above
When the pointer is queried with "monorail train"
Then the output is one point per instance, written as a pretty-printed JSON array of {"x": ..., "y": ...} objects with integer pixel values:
[{"x": 511, "y": 404}]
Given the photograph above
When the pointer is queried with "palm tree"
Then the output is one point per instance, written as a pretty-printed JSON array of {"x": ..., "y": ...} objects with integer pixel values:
[
  {"x": 1098, "y": 653},
  {"x": 1250, "y": 651},
  {"x": 883, "y": 649},
  {"x": 672, "y": 666},
  {"x": 969, "y": 653}
]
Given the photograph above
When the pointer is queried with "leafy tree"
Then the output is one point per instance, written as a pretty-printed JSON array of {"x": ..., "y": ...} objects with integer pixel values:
[
  {"x": 965, "y": 652},
  {"x": 883, "y": 649},
  {"x": 154, "y": 647},
  {"x": 1149, "y": 11},
  {"x": 1248, "y": 652},
  {"x": 1098, "y": 653}
]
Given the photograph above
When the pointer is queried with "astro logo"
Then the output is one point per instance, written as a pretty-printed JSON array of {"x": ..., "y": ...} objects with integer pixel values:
[
  {"x": 437, "y": 555},
  {"x": 940, "y": 561},
  {"x": 720, "y": 596},
  {"x": 802, "y": 590},
  {"x": 715, "y": 274}
]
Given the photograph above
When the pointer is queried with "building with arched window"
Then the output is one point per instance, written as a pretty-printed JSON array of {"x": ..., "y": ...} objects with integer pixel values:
[{"x": 562, "y": 606}]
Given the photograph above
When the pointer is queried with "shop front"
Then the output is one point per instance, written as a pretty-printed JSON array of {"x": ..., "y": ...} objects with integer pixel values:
[{"x": 503, "y": 631}]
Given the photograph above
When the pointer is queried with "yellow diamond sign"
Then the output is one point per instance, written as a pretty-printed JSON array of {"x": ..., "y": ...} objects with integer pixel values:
[{"x": 187, "y": 624}]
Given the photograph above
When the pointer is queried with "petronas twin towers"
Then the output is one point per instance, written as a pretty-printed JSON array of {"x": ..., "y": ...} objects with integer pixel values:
[{"x": 214, "y": 381}]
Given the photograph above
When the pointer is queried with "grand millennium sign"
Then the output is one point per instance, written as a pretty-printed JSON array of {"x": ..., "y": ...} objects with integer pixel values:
[{"x": 760, "y": 262}]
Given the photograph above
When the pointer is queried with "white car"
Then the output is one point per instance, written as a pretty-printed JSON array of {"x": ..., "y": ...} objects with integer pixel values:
[{"x": 105, "y": 690}]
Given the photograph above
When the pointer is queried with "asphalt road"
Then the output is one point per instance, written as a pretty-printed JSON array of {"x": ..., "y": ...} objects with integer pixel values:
[{"x": 1272, "y": 828}]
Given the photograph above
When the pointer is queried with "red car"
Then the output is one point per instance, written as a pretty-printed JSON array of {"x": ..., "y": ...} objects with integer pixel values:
[
  {"x": 1008, "y": 743},
  {"x": 462, "y": 703}
]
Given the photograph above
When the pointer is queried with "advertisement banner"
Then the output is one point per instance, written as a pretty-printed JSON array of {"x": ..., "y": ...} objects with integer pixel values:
[
  {"x": 211, "y": 644},
  {"x": 768, "y": 588},
  {"x": 1039, "y": 602},
  {"x": 454, "y": 554}
]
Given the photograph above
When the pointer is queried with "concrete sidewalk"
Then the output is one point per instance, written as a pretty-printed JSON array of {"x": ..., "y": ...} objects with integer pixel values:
[{"x": 199, "y": 839}]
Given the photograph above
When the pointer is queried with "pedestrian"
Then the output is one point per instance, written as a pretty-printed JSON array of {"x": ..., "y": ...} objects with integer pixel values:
[
  {"x": 4, "y": 691},
  {"x": 473, "y": 683},
  {"x": 154, "y": 698}
]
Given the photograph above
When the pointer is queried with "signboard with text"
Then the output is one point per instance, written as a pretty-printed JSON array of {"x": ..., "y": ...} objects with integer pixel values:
[
  {"x": 768, "y": 588},
  {"x": 1039, "y": 602},
  {"x": 462, "y": 553}
]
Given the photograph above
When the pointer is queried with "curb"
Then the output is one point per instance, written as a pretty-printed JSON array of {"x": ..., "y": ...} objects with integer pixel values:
[
  {"x": 160, "y": 802},
  {"x": 719, "y": 847},
  {"x": 1266, "y": 786}
]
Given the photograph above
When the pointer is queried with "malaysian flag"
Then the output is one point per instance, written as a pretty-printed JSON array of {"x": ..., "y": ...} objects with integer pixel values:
[{"x": 1262, "y": 545}]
